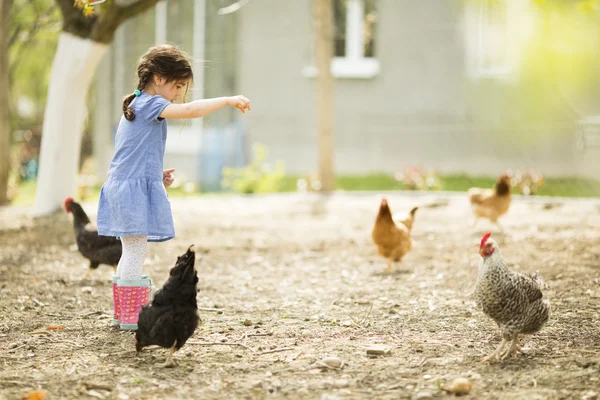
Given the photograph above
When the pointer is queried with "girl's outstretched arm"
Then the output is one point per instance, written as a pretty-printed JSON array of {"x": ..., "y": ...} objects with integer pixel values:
[{"x": 203, "y": 107}]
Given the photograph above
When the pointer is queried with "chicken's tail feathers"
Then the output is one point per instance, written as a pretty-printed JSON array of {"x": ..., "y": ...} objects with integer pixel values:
[
  {"x": 474, "y": 195},
  {"x": 537, "y": 278},
  {"x": 409, "y": 220}
]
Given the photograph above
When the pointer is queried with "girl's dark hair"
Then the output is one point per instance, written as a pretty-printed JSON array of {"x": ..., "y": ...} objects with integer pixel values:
[{"x": 166, "y": 61}]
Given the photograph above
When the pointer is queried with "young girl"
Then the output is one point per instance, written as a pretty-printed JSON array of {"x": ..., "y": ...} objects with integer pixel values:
[{"x": 133, "y": 201}]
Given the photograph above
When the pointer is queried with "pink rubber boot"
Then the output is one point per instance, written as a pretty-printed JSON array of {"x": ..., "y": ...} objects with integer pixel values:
[
  {"x": 133, "y": 295},
  {"x": 116, "y": 303}
]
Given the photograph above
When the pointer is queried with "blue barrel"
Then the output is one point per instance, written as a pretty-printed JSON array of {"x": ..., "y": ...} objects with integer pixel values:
[{"x": 221, "y": 146}]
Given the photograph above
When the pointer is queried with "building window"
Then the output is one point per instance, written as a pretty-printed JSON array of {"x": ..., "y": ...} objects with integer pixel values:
[
  {"x": 496, "y": 33},
  {"x": 355, "y": 24},
  {"x": 494, "y": 36},
  {"x": 354, "y": 40}
]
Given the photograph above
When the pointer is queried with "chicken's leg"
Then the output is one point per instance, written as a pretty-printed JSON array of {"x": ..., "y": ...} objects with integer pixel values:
[
  {"x": 496, "y": 353},
  {"x": 93, "y": 266},
  {"x": 170, "y": 363},
  {"x": 499, "y": 226},
  {"x": 389, "y": 266},
  {"x": 514, "y": 344}
]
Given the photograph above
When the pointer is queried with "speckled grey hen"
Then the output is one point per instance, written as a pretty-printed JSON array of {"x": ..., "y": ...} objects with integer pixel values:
[{"x": 512, "y": 299}]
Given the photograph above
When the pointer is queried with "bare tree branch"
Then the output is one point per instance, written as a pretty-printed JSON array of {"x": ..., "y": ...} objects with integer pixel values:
[
  {"x": 232, "y": 8},
  {"x": 40, "y": 22},
  {"x": 15, "y": 35},
  {"x": 136, "y": 8}
]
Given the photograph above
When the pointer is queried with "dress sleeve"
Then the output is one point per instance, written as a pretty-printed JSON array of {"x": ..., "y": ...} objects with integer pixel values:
[{"x": 153, "y": 108}]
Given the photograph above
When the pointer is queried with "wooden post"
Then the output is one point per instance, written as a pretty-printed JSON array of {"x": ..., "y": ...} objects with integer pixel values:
[{"x": 324, "y": 28}]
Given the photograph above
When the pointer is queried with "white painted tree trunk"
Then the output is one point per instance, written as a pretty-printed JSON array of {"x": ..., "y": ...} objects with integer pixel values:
[
  {"x": 102, "y": 132},
  {"x": 73, "y": 69}
]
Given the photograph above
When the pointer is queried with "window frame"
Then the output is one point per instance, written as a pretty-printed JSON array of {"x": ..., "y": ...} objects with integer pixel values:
[
  {"x": 477, "y": 40},
  {"x": 354, "y": 64}
]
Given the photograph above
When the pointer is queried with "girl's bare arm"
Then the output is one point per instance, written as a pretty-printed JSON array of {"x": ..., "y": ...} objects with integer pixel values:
[{"x": 203, "y": 107}]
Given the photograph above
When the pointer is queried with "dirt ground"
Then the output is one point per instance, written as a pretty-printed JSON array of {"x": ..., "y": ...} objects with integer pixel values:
[{"x": 298, "y": 274}]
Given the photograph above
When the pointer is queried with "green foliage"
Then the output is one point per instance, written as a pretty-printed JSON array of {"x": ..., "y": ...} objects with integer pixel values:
[
  {"x": 34, "y": 29},
  {"x": 562, "y": 59},
  {"x": 257, "y": 177},
  {"x": 86, "y": 6},
  {"x": 417, "y": 178},
  {"x": 559, "y": 187}
]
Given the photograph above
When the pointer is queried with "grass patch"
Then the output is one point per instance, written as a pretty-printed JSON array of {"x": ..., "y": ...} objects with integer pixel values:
[{"x": 559, "y": 187}]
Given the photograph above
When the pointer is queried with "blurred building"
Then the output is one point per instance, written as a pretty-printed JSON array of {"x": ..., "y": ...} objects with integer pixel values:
[{"x": 475, "y": 86}]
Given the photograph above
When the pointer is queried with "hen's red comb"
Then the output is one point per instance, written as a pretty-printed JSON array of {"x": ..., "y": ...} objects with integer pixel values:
[
  {"x": 484, "y": 239},
  {"x": 68, "y": 200}
]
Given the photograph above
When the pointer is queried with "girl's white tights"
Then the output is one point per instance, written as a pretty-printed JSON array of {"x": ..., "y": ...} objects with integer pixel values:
[{"x": 132, "y": 259}]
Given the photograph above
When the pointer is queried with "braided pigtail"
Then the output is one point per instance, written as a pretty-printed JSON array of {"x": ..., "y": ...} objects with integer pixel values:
[
  {"x": 128, "y": 112},
  {"x": 145, "y": 75}
]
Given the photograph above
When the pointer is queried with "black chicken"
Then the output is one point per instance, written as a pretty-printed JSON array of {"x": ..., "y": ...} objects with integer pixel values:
[
  {"x": 98, "y": 249},
  {"x": 172, "y": 317}
]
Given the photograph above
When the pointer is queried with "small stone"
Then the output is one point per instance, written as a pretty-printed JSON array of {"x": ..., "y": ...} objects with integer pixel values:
[
  {"x": 460, "y": 387},
  {"x": 426, "y": 377},
  {"x": 473, "y": 375},
  {"x": 86, "y": 289},
  {"x": 378, "y": 351},
  {"x": 423, "y": 396},
  {"x": 247, "y": 322},
  {"x": 341, "y": 383},
  {"x": 590, "y": 396},
  {"x": 330, "y": 363}
]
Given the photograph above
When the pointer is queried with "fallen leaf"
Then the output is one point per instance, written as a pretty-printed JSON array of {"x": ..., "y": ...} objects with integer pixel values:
[
  {"x": 56, "y": 328},
  {"x": 34, "y": 396},
  {"x": 39, "y": 332}
]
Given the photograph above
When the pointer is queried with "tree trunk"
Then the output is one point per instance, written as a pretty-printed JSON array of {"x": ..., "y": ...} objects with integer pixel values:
[
  {"x": 5, "y": 6},
  {"x": 81, "y": 45},
  {"x": 73, "y": 69},
  {"x": 324, "y": 24}
]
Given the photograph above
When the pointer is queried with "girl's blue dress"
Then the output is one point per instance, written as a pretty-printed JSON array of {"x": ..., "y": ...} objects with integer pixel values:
[{"x": 133, "y": 201}]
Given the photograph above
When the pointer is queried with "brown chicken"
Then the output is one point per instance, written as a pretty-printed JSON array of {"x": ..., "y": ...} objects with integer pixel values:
[
  {"x": 491, "y": 203},
  {"x": 392, "y": 235},
  {"x": 512, "y": 299}
]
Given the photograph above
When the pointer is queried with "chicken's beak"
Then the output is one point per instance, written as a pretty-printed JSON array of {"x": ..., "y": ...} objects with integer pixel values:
[{"x": 481, "y": 251}]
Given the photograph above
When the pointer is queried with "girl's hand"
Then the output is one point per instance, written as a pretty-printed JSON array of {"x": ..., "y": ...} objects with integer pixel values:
[
  {"x": 168, "y": 178},
  {"x": 240, "y": 102}
]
